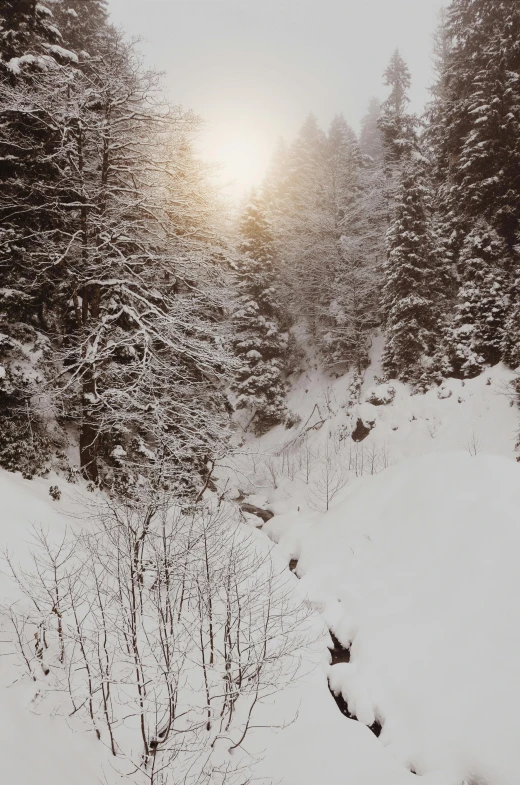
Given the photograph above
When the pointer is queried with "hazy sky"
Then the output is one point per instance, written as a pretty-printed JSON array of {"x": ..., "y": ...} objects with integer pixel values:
[{"x": 254, "y": 69}]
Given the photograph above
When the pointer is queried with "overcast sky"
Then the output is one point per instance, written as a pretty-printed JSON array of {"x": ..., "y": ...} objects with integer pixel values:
[{"x": 254, "y": 69}]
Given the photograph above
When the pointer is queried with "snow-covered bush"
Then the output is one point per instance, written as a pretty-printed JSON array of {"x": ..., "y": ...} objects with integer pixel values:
[
  {"x": 166, "y": 629},
  {"x": 380, "y": 395}
]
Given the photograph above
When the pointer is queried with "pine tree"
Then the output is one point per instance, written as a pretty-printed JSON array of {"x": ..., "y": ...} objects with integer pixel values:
[
  {"x": 83, "y": 24},
  {"x": 259, "y": 343},
  {"x": 477, "y": 334},
  {"x": 415, "y": 280},
  {"x": 348, "y": 315},
  {"x": 373, "y": 203},
  {"x": 303, "y": 224},
  {"x": 481, "y": 114},
  {"x": 511, "y": 337},
  {"x": 396, "y": 123},
  {"x": 370, "y": 138}
]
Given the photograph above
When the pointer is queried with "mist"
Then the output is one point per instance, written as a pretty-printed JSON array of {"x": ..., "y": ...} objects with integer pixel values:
[{"x": 254, "y": 70}]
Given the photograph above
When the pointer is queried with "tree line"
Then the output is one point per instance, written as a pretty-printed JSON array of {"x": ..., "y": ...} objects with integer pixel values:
[
  {"x": 134, "y": 320},
  {"x": 410, "y": 227}
]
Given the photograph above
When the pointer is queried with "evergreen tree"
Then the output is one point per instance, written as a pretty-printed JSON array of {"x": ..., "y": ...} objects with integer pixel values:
[
  {"x": 370, "y": 138},
  {"x": 415, "y": 281},
  {"x": 511, "y": 339},
  {"x": 477, "y": 334},
  {"x": 481, "y": 114},
  {"x": 374, "y": 215},
  {"x": 349, "y": 312},
  {"x": 304, "y": 226},
  {"x": 396, "y": 123},
  {"x": 83, "y": 24},
  {"x": 29, "y": 36},
  {"x": 259, "y": 342}
]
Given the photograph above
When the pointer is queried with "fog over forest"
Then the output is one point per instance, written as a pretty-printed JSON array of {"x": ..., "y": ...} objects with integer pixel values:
[{"x": 259, "y": 392}]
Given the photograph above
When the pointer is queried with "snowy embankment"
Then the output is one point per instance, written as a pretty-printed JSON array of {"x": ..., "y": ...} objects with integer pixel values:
[
  {"x": 36, "y": 747},
  {"x": 414, "y": 568}
]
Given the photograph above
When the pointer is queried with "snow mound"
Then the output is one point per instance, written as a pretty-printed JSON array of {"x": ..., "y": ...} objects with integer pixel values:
[
  {"x": 417, "y": 570},
  {"x": 57, "y": 754}
]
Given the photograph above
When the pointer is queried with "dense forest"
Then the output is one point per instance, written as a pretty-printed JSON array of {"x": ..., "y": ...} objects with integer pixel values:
[
  {"x": 130, "y": 297},
  {"x": 201, "y": 402}
]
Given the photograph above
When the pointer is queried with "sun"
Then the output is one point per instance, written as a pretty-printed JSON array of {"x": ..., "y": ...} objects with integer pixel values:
[{"x": 243, "y": 154}]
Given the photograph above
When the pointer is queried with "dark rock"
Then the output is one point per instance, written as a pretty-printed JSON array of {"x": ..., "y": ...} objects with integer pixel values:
[
  {"x": 265, "y": 515},
  {"x": 361, "y": 431},
  {"x": 338, "y": 653}
]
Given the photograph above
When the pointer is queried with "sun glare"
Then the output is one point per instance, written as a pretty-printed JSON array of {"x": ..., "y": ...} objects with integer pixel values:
[{"x": 244, "y": 156}]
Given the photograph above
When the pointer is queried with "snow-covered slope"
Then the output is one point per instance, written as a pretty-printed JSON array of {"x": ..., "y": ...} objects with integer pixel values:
[
  {"x": 36, "y": 747},
  {"x": 413, "y": 567}
]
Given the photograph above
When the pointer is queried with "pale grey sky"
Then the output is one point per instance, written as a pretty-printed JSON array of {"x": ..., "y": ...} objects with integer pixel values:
[{"x": 254, "y": 69}]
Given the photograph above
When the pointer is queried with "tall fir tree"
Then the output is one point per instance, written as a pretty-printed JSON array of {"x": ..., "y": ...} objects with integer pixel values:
[
  {"x": 397, "y": 124},
  {"x": 370, "y": 138},
  {"x": 481, "y": 114},
  {"x": 477, "y": 334},
  {"x": 415, "y": 281},
  {"x": 349, "y": 312},
  {"x": 260, "y": 343}
]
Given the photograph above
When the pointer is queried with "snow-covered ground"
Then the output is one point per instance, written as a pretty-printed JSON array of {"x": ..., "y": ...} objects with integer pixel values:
[
  {"x": 413, "y": 567},
  {"x": 36, "y": 747}
]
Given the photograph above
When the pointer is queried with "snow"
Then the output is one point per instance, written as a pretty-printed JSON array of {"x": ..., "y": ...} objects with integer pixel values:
[
  {"x": 414, "y": 568},
  {"x": 65, "y": 54},
  {"x": 417, "y": 569},
  {"x": 34, "y": 746}
]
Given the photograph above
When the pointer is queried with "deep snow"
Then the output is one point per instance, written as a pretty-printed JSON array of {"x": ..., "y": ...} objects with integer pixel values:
[{"x": 414, "y": 566}]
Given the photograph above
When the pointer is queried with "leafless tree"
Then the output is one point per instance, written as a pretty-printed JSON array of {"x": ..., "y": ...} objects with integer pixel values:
[
  {"x": 474, "y": 444},
  {"x": 332, "y": 478},
  {"x": 166, "y": 628}
]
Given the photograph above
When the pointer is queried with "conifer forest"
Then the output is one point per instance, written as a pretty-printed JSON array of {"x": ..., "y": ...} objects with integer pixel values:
[{"x": 259, "y": 453}]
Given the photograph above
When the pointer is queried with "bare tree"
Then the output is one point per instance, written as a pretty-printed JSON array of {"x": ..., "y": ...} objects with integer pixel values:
[
  {"x": 167, "y": 629},
  {"x": 332, "y": 479},
  {"x": 474, "y": 444}
]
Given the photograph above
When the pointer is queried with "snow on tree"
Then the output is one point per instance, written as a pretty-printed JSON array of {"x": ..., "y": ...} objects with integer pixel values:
[
  {"x": 477, "y": 333},
  {"x": 415, "y": 280},
  {"x": 511, "y": 338},
  {"x": 259, "y": 341},
  {"x": 349, "y": 314},
  {"x": 30, "y": 37},
  {"x": 109, "y": 230},
  {"x": 481, "y": 118},
  {"x": 83, "y": 24},
  {"x": 396, "y": 123},
  {"x": 304, "y": 226},
  {"x": 370, "y": 138}
]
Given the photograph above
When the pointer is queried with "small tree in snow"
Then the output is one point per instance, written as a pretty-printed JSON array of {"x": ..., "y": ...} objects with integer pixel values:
[{"x": 332, "y": 478}]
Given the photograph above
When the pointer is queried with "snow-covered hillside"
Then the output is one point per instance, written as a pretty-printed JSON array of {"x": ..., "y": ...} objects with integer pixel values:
[
  {"x": 413, "y": 568},
  {"x": 36, "y": 747}
]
